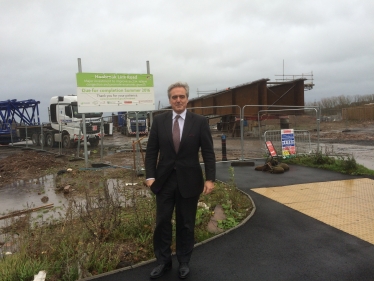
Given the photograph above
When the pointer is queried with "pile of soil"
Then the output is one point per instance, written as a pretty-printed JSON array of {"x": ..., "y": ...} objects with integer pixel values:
[{"x": 24, "y": 165}]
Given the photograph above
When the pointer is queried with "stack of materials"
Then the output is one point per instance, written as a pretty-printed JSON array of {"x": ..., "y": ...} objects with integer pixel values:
[{"x": 273, "y": 166}]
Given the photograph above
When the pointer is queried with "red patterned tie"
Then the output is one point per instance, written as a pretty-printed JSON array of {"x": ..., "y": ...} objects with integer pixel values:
[{"x": 176, "y": 133}]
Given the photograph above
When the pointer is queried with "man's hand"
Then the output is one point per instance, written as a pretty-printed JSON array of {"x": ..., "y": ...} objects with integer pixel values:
[
  {"x": 208, "y": 187},
  {"x": 149, "y": 182}
]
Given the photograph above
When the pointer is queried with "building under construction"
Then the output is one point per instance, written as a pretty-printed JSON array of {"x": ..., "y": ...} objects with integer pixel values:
[{"x": 224, "y": 107}]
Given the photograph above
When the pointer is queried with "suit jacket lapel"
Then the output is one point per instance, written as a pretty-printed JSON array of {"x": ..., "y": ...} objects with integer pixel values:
[
  {"x": 168, "y": 123},
  {"x": 188, "y": 124}
]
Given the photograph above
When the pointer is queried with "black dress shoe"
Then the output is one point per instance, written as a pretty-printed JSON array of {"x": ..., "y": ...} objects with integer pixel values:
[
  {"x": 184, "y": 270},
  {"x": 159, "y": 270}
]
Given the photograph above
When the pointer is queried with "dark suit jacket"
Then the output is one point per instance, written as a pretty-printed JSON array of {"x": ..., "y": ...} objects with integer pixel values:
[{"x": 161, "y": 157}]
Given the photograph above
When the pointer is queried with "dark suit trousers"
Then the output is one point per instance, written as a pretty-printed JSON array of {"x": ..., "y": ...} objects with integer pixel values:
[{"x": 185, "y": 214}]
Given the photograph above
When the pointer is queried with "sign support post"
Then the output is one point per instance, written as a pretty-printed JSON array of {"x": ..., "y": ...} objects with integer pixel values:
[{"x": 84, "y": 123}]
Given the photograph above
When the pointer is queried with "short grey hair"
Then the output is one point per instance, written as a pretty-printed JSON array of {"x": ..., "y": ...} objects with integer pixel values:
[{"x": 179, "y": 85}]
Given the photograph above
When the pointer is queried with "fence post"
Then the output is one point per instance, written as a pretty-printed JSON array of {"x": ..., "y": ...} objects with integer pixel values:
[
  {"x": 79, "y": 138},
  {"x": 318, "y": 126},
  {"x": 223, "y": 141},
  {"x": 241, "y": 135},
  {"x": 27, "y": 144},
  {"x": 60, "y": 143},
  {"x": 11, "y": 132},
  {"x": 137, "y": 151},
  {"x": 41, "y": 138},
  {"x": 102, "y": 133}
]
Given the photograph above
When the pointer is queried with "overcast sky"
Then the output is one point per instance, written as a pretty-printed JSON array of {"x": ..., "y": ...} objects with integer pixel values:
[{"x": 209, "y": 44}]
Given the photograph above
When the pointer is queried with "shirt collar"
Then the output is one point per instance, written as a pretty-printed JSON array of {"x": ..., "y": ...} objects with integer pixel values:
[{"x": 183, "y": 114}]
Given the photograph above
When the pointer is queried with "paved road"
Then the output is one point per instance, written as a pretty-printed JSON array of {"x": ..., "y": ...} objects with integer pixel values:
[{"x": 277, "y": 243}]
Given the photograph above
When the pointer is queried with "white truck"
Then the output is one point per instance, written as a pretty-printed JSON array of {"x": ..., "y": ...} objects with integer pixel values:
[{"x": 65, "y": 124}]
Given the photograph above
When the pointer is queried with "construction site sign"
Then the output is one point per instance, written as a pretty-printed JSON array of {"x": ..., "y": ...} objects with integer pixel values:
[
  {"x": 113, "y": 92},
  {"x": 288, "y": 143}
]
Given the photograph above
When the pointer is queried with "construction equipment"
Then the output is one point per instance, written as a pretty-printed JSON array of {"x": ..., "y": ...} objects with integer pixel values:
[
  {"x": 14, "y": 113},
  {"x": 127, "y": 123},
  {"x": 20, "y": 121}
]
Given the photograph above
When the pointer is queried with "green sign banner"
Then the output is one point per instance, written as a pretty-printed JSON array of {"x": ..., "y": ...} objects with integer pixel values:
[
  {"x": 111, "y": 92},
  {"x": 114, "y": 80}
]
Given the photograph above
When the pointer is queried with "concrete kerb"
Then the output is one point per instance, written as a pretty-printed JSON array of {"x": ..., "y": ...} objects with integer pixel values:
[
  {"x": 118, "y": 270},
  {"x": 196, "y": 245}
]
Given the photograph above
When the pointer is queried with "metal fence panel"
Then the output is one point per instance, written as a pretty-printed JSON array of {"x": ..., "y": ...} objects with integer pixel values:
[{"x": 302, "y": 141}]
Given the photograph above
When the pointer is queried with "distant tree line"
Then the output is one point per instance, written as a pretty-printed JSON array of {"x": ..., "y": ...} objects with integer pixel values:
[{"x": 342, "y": 101}]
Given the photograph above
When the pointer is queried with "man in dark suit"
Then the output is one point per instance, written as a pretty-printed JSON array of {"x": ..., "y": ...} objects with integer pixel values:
[{"x": 174, "y": 174}]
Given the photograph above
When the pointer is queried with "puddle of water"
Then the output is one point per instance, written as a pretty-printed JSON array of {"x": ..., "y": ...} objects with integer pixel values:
[
  {"x": 26, "y": 194},
  {"x": 127, "y": 191},
  {"x": 23, "y": 195},
  {"x": 20, "y": 194}
]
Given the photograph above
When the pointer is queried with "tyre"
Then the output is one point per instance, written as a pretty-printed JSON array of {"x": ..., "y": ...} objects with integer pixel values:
[
  {"x": 50, "y": 140},
  {"x": 94, "y": 142},
  {"x": 35, "y": 139},
  {"x": 41, "y": 139},
  {"x": 67, "y": 142}
]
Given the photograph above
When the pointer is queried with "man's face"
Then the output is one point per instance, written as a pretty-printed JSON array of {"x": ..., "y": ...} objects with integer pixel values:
[{"x": 178, "y": 99}]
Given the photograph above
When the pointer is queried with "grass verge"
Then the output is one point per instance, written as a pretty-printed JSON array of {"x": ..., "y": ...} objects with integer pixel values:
[{"x": 342, "y": 164}]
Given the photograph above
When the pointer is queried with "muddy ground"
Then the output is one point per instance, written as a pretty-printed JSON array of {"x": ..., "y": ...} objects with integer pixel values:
[
  {"x": 360, "y": 133},
  {"x": 20, "y": 164}
]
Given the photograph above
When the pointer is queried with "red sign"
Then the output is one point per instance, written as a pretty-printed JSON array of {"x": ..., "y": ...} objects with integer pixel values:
[{"x": 271, "y": 149}]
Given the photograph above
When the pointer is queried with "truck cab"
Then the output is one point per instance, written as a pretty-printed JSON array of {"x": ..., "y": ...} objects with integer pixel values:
[{"x": 64, "y": 118}]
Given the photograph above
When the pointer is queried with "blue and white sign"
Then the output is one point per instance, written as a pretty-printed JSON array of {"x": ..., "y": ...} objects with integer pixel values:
[{"x": 288, "y": 143}]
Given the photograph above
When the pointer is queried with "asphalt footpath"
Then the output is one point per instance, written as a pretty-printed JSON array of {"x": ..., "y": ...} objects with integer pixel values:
[{"x": 276, "y": 243}]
